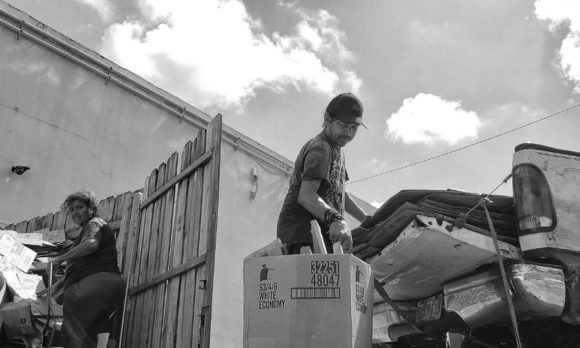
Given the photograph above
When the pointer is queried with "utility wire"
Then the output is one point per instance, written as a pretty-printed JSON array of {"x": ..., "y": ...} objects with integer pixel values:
[{"x": 466, "y": 146}]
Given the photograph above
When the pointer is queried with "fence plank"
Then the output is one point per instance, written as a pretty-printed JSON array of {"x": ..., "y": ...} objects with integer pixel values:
[
  {"x": 132, "y": 237},
  {"x": 59, "y": 220},
  {"x": 140, "y": 260},
  {"x": 143, "y": 261},
  {"x": 169, "y": 337},
  {"x": 189, "y": 290},
  {"x": 34, "y": 224},
  {"x": 149, "y": 296},
  {"x": 208, "y": 234},
  {"x": 128, "y": 267},
  {"x": 47, "y": 221},
  {"x": 134, "y": 270},
  {"x": 21, "y": 227},
  {"x": 163, "y": 252},
  {"x": 154, "y": 254},
  {"x": 106, "y": 208},
  {"x": 119, "y": 206},
  {"x": 125, "y": 211}
]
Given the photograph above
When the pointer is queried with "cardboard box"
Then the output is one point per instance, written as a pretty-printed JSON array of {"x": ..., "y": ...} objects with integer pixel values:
[
  {"x": 15, "y": 253},
  {"x": 23, "y": 285},
  {"x": 307, "y": 301},
  {"x": 276, "y": 248},
  {"x": 17, "y": 320}
]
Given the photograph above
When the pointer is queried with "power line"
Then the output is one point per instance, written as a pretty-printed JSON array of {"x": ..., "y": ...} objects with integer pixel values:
[{"x": 466, "y": 146}]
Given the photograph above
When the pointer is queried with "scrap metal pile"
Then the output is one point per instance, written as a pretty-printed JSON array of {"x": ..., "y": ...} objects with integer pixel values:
[{"x": 449, "y": 205}]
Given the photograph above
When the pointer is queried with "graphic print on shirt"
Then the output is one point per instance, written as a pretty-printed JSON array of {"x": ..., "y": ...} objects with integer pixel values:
[{"x": 334, "y": 195}]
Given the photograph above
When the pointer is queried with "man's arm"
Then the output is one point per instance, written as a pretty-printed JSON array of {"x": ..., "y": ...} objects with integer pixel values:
[
  {"x": 353, "y": 209},
  {"x": 311, "y": 201}
]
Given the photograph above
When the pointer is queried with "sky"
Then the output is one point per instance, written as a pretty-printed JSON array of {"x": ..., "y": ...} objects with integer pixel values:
[{"x": 433, "y": 76}]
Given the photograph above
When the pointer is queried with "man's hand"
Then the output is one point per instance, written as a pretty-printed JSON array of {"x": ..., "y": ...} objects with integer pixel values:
[{"x": 340, "y": 232}]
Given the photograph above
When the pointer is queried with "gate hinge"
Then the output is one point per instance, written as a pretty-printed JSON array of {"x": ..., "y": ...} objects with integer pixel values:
[
  {"x": 202, "y": 315},
  {"x": 203, "y": 284}
]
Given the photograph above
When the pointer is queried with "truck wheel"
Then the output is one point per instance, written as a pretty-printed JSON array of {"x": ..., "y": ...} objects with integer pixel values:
[
  {"x": 499, "y": 337},
  {"x": 403, "y": 344},
  {"x": 552, "y": 333}
]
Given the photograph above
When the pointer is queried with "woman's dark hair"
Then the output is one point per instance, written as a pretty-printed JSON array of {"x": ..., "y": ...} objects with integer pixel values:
[{"x": 83, "y": 196}]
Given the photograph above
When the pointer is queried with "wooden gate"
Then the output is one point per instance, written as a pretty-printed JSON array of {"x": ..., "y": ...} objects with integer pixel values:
[
  {"x": 166, "y": 245},
  {"x": 169, "y": 260}
]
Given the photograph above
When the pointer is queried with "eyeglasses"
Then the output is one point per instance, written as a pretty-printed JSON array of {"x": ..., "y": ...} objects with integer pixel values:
[{"x": 351, "y": 127}]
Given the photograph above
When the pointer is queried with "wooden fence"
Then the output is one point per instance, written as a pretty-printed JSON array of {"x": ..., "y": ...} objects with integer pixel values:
[
  {"x": 172, "y": 252},
  {"x": 166, "y": 244}
]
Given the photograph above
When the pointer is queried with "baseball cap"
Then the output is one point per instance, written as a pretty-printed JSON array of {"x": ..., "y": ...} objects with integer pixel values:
[{"x": 347, "y": 108}]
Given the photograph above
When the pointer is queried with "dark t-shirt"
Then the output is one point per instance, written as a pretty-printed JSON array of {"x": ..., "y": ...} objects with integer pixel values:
[
  {"x": 320, "y": 160},
  {"x": 104, "y": 259}
]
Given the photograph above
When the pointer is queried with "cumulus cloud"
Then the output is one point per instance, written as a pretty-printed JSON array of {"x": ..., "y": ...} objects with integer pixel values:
[
  {"x": 213, "y": 53},
  {"x": 427, "y": 118},
  {"x": 103, "y": 7},
  {"x": 564, "y": 13}
]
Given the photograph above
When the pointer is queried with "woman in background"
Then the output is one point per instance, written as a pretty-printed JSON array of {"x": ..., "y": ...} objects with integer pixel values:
[{"x": 93, "y": 287}]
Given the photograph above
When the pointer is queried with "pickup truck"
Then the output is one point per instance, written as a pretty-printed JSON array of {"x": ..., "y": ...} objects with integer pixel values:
[{"x": 437, "y": 255}]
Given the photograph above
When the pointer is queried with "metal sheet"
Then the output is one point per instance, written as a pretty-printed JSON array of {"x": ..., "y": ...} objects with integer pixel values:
[
  {"x": 538, "y": 292},
  {"x": 422, "y": 259}
]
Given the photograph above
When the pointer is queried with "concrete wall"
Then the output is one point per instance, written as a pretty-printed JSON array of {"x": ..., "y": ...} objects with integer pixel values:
[
  {"x": 244, "y": 225},
  {"x": 72, "y": 129}
]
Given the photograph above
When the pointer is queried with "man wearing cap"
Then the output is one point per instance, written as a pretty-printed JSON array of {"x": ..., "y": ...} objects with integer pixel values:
[{"x": 317, "y": 183}]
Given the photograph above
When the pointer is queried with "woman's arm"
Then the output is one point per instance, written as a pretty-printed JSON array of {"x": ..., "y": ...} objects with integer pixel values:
[{"x": 89, "y": 244}]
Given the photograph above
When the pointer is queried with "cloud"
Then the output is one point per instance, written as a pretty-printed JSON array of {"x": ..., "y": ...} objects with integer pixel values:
[
  {"x": 213, "y": 53},
  {"x": 103, "y": 7},
  {"x": 376, "y": 166},
  {"x": 564, "y": 13},
  {"x": 377, "y": 204},
  {"x": 427, "y": 118}
]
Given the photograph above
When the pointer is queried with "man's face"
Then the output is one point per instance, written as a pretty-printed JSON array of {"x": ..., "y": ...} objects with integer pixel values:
[{"x": 340, "y": 133}]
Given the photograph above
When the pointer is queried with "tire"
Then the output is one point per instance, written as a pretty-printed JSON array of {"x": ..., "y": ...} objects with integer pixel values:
[{"x": 550, "y": 333}]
